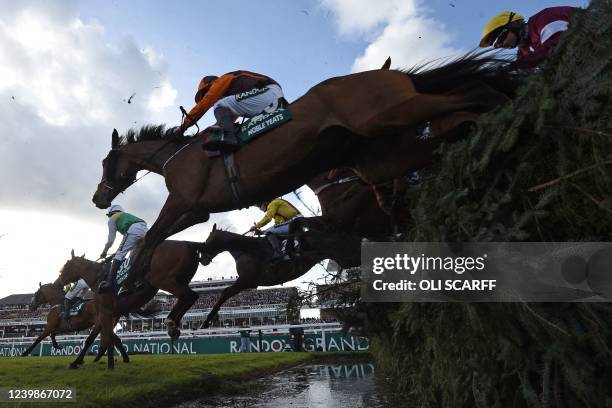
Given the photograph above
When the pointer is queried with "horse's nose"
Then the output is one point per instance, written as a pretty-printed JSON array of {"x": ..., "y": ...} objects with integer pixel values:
[{"x": 99, "y": 201}]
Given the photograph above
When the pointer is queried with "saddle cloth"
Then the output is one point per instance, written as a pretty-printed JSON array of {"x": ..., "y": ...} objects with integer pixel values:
[{"x": 250, "y": 129}]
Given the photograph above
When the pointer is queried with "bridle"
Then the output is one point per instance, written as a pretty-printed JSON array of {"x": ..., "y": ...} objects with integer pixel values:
[
  {"x": 109, "y": 187},
  {"x": 105, "y": 181}
]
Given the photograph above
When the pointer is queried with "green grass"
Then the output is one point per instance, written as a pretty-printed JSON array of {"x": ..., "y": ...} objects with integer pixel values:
[{"x": 148, "y": 379}]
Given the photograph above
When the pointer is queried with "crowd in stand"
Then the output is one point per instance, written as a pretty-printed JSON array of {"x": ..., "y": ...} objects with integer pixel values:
[
  {"x": 23, "y": 314},
  {"x": 205, "y": 301},
  {"x": 314, "y": 320},
  {"x": 246, "y": 298}
]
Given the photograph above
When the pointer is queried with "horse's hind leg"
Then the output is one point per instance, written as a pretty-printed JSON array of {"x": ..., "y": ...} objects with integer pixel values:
[
  {"x": 411, "y": 113},
  {"x": 379, "y": 161},
  {"x": 226, "y": 294},
  {"x": 101, "y": 352},
  {"x": 119, "y": 344},
  {"x": 54, "y": 342}
]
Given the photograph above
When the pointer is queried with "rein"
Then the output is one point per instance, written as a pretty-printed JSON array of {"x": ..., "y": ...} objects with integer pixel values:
[
  {"x": 184, "y": 114},
  {"x": 333, "y": 183},
  {"x": 148, "y": 159}
]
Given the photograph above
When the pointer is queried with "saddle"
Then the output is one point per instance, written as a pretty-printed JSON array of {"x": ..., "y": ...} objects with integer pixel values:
[
  {"x": 250, "y": 129},
  {"x": 120, "y": 278},
  {"x": 284, "y": 247}
]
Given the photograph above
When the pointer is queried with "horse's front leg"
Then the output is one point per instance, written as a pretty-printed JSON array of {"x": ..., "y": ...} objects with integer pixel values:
[
  {"x": 185, "y": 300},
  {"x": 38, "y": 340},
  {"x": 172, "y": 211},
  {"x": 227, "y": 293},
  {"x": 105, "y": 309},
  {"x": 188, "y": 219},
  {"x": 90, "y": 339}
]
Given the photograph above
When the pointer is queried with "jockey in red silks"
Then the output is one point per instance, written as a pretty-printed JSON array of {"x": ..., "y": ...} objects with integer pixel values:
[{"x": 535, "y": 38}]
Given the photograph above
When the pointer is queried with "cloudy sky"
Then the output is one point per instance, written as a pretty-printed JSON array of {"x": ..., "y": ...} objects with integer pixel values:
[{"x": 68, "y": 68}]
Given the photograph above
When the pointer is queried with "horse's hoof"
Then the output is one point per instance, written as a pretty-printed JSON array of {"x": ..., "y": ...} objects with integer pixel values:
[
  {"x": 206, "y": 325},
  {"x": 72, "y": 366},
  {"x": 126, "y": 361},
  {"x": 174, "y": 334}
]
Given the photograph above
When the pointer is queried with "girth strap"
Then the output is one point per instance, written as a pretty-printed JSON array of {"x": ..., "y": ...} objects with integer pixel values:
[
  {"x": 233, "y": 176},
  {"x": 333, "y": 183}
]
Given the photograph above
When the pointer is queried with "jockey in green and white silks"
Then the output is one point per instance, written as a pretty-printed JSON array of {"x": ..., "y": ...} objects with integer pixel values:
[{"x": 133, "y": 230}]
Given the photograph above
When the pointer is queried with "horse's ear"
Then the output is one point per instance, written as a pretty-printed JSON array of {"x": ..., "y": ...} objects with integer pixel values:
[
  {"x": 115, "y": 142},
  {"x": 40, "y": 284},
  {"x": 83, "y": 256},
  {"x": 72, "y": 253},
  {"x": 387, "y": 64},
  {"x": 214, "y": 226}
]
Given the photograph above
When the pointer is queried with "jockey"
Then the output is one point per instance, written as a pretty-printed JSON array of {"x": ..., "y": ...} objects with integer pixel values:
[
  {"x": 226, "y": 96},
  {"x": 535, "y": 38},
  {"x": 77, "y": 291},
  {"x": 133, "y": 230},
  {"x": 283, "y": 212}
]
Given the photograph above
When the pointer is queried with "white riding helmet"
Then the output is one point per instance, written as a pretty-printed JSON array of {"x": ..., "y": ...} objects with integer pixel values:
[{"x": 114, "y": 208}]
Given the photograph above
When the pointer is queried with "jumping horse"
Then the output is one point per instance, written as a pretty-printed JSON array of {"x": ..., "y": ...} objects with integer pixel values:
[{"x": 366, "y": 121}]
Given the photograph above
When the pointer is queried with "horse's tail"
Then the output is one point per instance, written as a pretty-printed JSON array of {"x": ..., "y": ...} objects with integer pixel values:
[
  {"x": 490, "y": 67},
  {"x": 149, "y": 310}
]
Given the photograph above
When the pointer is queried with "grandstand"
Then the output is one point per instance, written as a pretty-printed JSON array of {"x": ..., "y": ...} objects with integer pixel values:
[
  {"x": 253, "y": 307},
  {"x": 333, "y": 297}
]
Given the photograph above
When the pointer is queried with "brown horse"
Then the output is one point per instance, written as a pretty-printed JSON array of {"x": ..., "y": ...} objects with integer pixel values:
[
  {"x": 349, "y": 205},
  {"x": 253, "y": 256},
  {"x": 366, "y": 121},
  {"x": 52, "y": 294},
  {"x": 172, "y": 268}
]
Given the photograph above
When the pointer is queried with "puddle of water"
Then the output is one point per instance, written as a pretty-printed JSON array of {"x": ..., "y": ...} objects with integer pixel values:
[{"x": 309, "y": 386}]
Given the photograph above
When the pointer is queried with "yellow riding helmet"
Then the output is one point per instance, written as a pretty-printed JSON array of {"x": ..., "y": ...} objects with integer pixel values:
[{"x": 501, "y": 20}]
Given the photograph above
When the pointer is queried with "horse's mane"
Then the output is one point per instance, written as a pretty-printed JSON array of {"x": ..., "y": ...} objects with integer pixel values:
[
  {"x": 488, "y": 66},
  {"x": 147, "y": 133}
]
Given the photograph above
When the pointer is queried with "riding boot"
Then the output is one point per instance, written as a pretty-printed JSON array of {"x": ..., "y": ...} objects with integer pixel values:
[
  {"x": 66, "y": 308},
  {"x": 276, "y": 247},
  {"x": 107, "y": 284},
  {"x": 228, "y": 142}
]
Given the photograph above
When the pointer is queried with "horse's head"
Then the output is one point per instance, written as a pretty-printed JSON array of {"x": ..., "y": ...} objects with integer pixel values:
[
  {"x": 118, "y": 173},
  {"x": 47, "y": 293},
  {"x": 213, "y": 245},
  {"x": 71, "y": 271}
]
